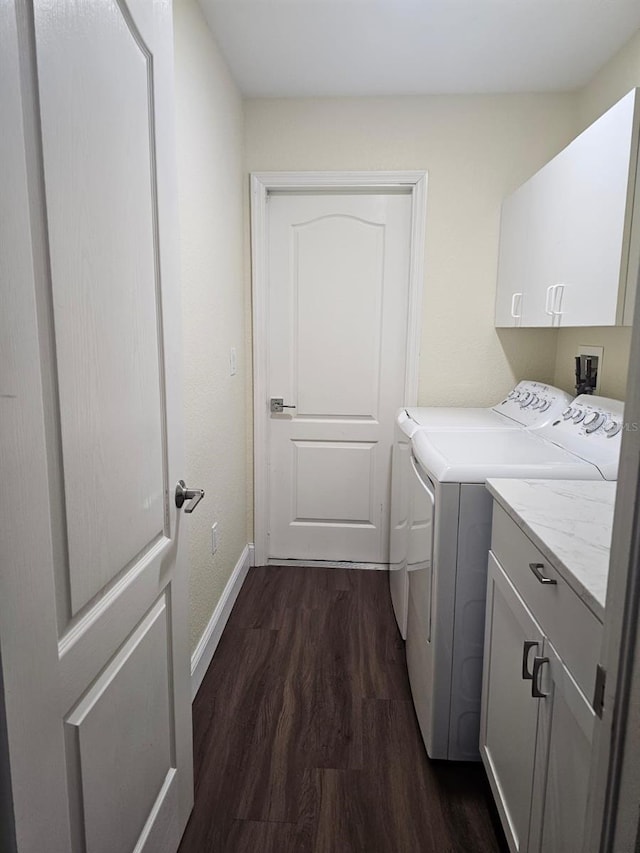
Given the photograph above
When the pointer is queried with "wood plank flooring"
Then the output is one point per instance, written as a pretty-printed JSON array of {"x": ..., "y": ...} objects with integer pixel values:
[{"x": 305, "y": 737}]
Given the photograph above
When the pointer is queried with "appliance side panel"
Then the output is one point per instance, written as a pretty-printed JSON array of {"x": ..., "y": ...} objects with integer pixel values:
[
  {"x": 444, "y": 583},
  {"x": 474, "y": 539}
]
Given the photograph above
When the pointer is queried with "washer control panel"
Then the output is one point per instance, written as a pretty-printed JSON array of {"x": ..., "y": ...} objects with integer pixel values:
[
  {"x": 588, "y": 418},
  {"x": 533, "y": 404},
  {"x": 591, "y": 427}
]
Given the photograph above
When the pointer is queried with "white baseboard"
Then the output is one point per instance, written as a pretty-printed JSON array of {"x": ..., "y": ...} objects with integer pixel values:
[
  {"x": 203, "y": 653},
  {"x": 330, "y": 564}
]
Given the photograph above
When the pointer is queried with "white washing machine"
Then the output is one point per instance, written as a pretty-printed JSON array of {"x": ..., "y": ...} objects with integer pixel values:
[
  {"x": 530, "y": 405},
  {"x": 450, "y": 541}
]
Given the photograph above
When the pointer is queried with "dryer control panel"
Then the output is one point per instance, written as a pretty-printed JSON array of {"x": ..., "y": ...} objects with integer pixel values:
[{"x": 533, "y": 404}]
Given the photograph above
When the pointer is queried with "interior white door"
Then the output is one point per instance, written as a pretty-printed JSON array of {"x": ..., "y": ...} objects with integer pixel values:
[
  {"x": 337, "y": 331},
  {"x": 93, "y": 637}
]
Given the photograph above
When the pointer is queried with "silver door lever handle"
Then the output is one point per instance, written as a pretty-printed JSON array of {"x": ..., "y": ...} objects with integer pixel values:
[
  {"x": 184, "y": 494},
  {"x": 277, "y": 405}
]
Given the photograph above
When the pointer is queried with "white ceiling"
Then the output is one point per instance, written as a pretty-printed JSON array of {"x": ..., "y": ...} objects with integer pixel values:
[{"x": 287, "y": 48}]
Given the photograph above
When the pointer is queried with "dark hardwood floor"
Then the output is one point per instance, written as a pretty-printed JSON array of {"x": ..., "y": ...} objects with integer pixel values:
[{"x": 305, "y": 737}]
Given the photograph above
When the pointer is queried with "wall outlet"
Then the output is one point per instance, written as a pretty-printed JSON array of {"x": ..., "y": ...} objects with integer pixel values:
[
  {"x": 233, "y": 362},
  {"x": 214, "y": 537}
]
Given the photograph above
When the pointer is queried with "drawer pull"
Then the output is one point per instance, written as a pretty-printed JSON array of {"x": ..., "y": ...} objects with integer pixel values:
[
  {"x": 537, "y": 569},
  {"x": 528, "y": 645},
  {"x": 536, "y": 692}
]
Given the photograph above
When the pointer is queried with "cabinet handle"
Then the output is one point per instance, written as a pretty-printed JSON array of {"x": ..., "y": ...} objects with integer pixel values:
[
  {"x": 514, "y": 299},
  {"x": 537, "y": 569},
  {"x": 536, "y": 692},
  {"x": 528, "y": 645},
  {"x": 547, "y": 308},
  {"x": 557, "y": 300}
]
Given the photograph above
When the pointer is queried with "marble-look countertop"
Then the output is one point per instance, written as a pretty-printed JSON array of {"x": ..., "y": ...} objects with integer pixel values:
[{"x": 570, "y": 521}]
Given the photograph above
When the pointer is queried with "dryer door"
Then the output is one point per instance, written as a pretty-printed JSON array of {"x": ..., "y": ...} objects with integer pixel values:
[
  {"x": 420, "y": 552},
  {"x": 399, "y": 528}
]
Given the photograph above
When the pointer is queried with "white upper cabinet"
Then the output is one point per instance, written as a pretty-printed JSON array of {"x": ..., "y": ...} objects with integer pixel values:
[{"x": 568, "y": 254}]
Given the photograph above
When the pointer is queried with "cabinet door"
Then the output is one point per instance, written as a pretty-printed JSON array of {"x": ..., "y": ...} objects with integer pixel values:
[
  {"x": 594, "y": 182},
  {"x": 509, "y": 713},
  {"x": 513, "y": 269},
  {"x": 563, "y": 752},
  {"x": 566, "y": 233},
  {"x": 547, "y": 234},
  {"x": 531, "y": 237}
]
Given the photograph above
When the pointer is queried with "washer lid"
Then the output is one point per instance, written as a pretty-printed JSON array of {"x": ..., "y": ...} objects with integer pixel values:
[{"x": 473, "y": 456}]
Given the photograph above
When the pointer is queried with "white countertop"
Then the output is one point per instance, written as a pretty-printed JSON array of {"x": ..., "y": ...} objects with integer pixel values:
[{"x": 570, "y": 521}]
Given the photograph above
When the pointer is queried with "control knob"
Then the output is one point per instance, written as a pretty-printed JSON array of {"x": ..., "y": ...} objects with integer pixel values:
[
  {"x": 568, "y": 413},
  {"x": 593, "y": 421},
  {"x": 612, "y": 428},
  {"x": 578, "y": 416}
]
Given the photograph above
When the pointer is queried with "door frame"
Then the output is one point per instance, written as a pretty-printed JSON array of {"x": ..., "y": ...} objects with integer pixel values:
[
  {"x": 262, "y": 184},
  {"x": 613, "y": 825}
]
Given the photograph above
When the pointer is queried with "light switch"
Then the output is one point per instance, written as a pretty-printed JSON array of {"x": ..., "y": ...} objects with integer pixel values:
[{"x": 233, "y": 362}]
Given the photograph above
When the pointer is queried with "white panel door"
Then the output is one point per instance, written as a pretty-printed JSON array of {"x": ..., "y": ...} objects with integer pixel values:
[
  {"x": 338, "y": 297},
  {"x": 93, "y": 635}
]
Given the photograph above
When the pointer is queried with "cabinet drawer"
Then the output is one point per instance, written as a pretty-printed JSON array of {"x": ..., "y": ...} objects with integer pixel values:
[{"x": 574, "y": 630}]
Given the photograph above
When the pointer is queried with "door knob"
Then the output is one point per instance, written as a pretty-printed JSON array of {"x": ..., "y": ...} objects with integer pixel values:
[
  {"x": 277, "y": 405},
  {"x": 184, "y": 494}
]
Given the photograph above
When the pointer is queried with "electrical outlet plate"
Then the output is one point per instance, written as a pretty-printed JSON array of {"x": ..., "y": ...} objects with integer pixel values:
[
  {"x": 598, "y": 352},
  {"x": 214, "y": 537}
]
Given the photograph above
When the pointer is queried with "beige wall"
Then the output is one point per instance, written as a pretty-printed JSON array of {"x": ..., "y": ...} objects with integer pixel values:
[
  {"x": 611, "y": 83},
  {"x": 476, "y": 149},
  {"x": 210, "y": 169}
]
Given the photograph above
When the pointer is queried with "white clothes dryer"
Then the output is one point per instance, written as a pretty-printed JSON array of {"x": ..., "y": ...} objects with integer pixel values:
[{"x": 530, "y": 405}]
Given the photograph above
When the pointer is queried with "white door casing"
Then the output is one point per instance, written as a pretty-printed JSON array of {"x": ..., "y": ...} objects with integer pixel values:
[
  {"x": 332, "y": 303},
  {"x": 93, "y": 633}
]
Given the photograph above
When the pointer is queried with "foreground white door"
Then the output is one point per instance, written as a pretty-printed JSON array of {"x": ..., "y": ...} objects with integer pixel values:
[
  {"x": 93, "y": 637},
  {"x": 338, "y": 295}
]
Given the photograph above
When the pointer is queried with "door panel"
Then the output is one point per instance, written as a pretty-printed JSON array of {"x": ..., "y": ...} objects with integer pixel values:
[
  {"x": 318, "y": 464},
  {"x": 337, "y": 294},
  {"x": 93, "y": 605},
  {"x": 121, "y": 738},
  {"x": 338, "y": 297},
  {"x": 100, "y": 187}
]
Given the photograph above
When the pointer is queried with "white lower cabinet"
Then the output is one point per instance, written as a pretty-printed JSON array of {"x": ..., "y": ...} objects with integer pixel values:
[
  {"x": 509, "y": 715},
  {"x": 563, "y": 751},
  {"x": 536, "y": 726}
]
